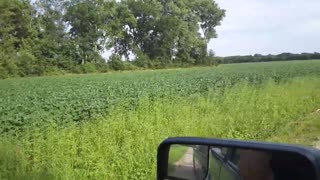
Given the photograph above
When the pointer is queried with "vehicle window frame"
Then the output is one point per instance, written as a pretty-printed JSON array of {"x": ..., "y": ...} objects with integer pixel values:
[
  {"x": 220, "y": 156},
  {"x": 196, "y": 148},
  {"x": 230, "y": 162}
]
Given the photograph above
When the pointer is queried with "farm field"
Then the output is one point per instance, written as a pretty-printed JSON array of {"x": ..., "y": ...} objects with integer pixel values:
[{"x": 108, "y": 126}]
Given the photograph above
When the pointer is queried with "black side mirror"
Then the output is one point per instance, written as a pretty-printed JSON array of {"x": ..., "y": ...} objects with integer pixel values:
[{"x": 187, "y": 158}]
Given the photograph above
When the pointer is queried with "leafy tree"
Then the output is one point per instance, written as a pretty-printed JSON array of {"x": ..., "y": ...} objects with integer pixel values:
[
  {"x": 42, "y": 36},
  {"x": 16, "y": 32},
  {"x": 51, "y": 38},
  {"x": 87, "y": 20},
  {"x": 55, "y": 36},
  {"x": 15, "y": 23},
  {"x": 167, "y": 30}
]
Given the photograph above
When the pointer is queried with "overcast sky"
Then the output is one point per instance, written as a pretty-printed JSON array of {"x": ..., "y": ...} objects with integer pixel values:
[{"x": 268, "y": 26}]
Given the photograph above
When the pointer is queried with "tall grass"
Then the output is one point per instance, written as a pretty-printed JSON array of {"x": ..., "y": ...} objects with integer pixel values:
[{"x": 124, "y": 145}]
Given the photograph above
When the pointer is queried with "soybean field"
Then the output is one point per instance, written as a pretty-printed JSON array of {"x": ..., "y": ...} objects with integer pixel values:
[{"x": 108, "y": 126}]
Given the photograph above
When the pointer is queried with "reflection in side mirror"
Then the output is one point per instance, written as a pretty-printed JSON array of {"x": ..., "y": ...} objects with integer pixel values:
[
  {"x": 227, "y": 162},
  {"x": 188, "y": 162}
]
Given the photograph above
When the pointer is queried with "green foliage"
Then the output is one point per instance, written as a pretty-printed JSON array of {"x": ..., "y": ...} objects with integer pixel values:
[
  {"x": 76, "y": 69},
  {"x": 54, "y": 71},
  {"x": 89, "y": 68},
  {"x": 10, "y": 68},
  {"x": 37, "y": 37},
  {"x": 142, "y": 61},
  {"x": 129, "y": 66},
  {"x": 26, "y": 63},
  {"x": 177, "y": 153},
  {"x": 3, "y": 72},
  {"x": 103, "y": 67},
  {"x": 116, "y": 63},
  {"x": 210, "y": 60},
  {"x": 305, "y": 131},
  {"x": 270, "y": 57},
  {"x": 164, "y": 30},
  {"x": 15, "y": 22},
  {"x": 87, "y": 19},
  {"x": 123, "y": 144},
  {"x": 26, "y": 102}
]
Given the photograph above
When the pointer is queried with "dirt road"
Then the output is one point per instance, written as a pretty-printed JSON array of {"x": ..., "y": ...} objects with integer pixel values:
[{"x": 184, "y": 167}]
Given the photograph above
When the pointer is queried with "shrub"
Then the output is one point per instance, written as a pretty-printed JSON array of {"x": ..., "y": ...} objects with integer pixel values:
[
  {"x": 26, "y": 63},
  {"x": 76, "y": 69},
  {"x": 116, "y": 63},
  {"x": 129, "y": 66},
  {"x": 159, "y": 63},
  {"x": 142, "y": 61},
  {"x": 103, "y": 67},
  {"x": 89, "y": 68},
  {"x": 54, "y": 71},
  {"x": 211, "y": 61},
  {"x": 11, "y": 68},
  {"x": 3, "y": 73}
]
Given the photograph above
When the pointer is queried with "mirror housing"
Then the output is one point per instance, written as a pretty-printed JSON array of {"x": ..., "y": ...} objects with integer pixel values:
[{"x": 310, "y": 156}]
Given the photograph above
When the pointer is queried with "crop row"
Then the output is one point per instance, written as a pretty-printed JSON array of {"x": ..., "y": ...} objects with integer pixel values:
[{"x": 29, "y": 102}]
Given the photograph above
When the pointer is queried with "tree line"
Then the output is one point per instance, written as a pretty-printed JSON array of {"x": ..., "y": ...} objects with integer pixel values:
[
  {"x": 267, "y": 58},
  {"x": 59, "y": 36}
]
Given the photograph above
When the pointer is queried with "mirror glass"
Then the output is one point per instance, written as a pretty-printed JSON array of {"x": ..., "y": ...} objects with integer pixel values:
[
  {"x": 188, "y": 162},
  {"x": 198, "y": 162}
]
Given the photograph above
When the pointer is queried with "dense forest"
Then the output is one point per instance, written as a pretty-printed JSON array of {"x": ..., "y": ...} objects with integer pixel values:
[
  {"x": 267, "y": 58},
  {"x": 48, "y": 37},
  {"x": 44, "y": 37}
]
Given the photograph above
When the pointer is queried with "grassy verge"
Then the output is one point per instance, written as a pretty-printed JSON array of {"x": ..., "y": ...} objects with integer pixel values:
[
  {"x": 305, "y": 131},
  {"x": 124, "y": 145},
  {"x": 176, "y": 153}
]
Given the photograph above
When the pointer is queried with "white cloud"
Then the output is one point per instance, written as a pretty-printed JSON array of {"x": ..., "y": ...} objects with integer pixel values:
[{"x": 268, "y": 26}]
